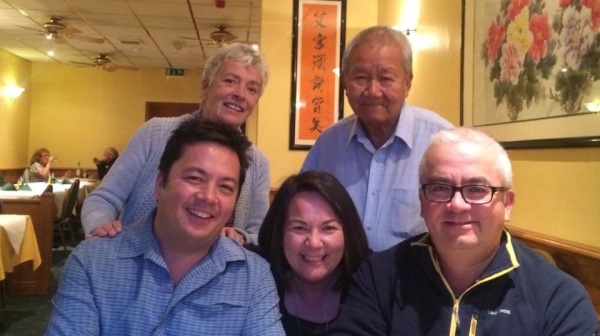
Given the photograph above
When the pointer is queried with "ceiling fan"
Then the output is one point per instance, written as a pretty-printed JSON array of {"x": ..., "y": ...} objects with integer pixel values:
[
  {"x": 56, "y": 31},
  {"x": 104, "y": 63},
  {"x": 219, "y": 37}
]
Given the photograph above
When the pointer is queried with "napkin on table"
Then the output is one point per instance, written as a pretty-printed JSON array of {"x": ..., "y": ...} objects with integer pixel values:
[
  {"x": 25, "y": 187},
  {"x": 8, "y": 186}
]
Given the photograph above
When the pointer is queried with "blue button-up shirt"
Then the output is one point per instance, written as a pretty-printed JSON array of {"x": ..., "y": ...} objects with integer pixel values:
[
  {"x": 121, "y": 286},
  {"x": 384, "y": 182}
]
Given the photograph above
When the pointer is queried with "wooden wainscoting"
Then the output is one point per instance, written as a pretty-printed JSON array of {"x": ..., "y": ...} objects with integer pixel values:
[
  {"x": 25, "y": 281},
  {"x": 579, "y": 260}
]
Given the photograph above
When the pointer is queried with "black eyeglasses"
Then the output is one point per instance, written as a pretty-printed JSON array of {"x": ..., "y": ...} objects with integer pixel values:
[{"x": 471, "y": 194}]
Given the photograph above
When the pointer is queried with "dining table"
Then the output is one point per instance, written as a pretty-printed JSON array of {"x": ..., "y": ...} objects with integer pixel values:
[
  {"x": 18, "y": 243},
  {"x": 59, "y": 189}
]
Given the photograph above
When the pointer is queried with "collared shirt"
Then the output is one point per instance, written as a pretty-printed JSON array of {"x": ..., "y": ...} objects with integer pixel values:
[
  {"x": 384, "y": 182},
  {"x": 121, "y": 286}
]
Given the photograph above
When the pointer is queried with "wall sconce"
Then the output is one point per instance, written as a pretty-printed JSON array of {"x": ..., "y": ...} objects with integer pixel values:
[
  {"x": 592, "y": 106},
  {"x": 13, "y": 92}
]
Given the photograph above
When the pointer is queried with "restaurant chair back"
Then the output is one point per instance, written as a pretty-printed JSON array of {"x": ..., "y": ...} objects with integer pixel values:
[
  {"x": 26, "y": 175},
  {"x": 63, "y": 224}
]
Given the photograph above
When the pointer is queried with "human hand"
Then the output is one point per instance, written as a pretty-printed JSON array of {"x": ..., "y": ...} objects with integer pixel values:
[
  {"x": 110, "y": 229},
  {"x": 68, "y": 174},
  {"x": 233, "y": 234}
]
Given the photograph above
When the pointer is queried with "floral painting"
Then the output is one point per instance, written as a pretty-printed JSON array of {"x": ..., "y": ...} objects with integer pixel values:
[{"x": 537, "y": 58}]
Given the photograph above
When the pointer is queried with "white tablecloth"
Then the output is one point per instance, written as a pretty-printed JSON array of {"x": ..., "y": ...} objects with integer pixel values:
[
  {"x": 58, "y": 189},
  {"x": 14, "y": 225}
]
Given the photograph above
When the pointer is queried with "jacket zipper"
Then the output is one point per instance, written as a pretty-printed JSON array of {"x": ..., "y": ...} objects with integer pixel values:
[{"x": 473, "y": 327}]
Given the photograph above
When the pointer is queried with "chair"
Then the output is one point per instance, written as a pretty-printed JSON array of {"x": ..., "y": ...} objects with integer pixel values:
[
  {"x": 26, "y": 175},
  {"x": 63, "y": 223}
]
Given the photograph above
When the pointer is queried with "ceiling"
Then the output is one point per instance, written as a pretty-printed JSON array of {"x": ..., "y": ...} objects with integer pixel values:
[{"x": 137, "y": 33}]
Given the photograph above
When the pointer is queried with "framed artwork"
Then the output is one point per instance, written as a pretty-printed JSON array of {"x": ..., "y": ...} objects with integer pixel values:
[
  {"x": 531, "y": 71},
  {"x": 317, "y": 45}
]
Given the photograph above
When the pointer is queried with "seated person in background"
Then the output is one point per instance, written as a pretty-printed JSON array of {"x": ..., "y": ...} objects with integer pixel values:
[
  {"x": 41, "y": 162},
  {"x": 109, "y": 157},
  {"x": 314, "y": 240},
  {"x": 467, "y": 276},
  {"x": 233, "y": 80},
  {"x": 172, "y": 273}
]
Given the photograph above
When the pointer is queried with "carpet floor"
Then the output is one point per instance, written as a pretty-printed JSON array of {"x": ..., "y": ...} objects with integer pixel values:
[{"x": 29, "y": 315}]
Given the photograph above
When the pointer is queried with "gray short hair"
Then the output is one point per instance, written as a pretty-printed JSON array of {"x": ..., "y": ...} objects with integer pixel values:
[
  {"x": 383, "y": 35},
  {"x": 471, "y": 136},
  {"x": 240, "y": 53}
]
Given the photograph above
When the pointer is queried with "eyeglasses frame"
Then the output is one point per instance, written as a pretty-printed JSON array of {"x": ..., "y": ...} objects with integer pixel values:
[{"x": 460, "y": 191}]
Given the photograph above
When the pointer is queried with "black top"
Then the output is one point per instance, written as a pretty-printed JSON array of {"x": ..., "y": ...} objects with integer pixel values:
[
  {"x": 295, "y": 326},
  {"x": 103, "y": 167}
]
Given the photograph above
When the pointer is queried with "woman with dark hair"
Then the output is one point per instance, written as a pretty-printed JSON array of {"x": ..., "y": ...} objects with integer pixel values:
[{"x": 314, "y": 240}]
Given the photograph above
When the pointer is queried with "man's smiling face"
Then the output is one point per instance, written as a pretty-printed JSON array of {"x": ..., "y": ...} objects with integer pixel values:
[{"x": 197, "y": 197}]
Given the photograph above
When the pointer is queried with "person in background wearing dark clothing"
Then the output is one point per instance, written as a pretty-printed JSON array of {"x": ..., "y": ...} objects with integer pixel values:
[
  {"x": 313, "y": 238},
  {"x": 467, "y": 276},
  {"x": 109, "y": 157}
]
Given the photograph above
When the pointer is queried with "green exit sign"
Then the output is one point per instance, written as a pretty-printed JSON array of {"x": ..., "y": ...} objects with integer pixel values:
[{"x": 174, "y": 72}]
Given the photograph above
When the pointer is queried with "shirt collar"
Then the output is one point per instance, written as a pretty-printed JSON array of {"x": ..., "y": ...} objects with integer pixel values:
[
  {"x": 404, "y": 129},
  {"x": 139, "y": 239}
]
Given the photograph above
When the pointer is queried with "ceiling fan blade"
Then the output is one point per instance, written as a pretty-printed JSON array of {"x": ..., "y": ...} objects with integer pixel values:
[
  {"x": 69, "y": 31},
  {"x": 81, "y": 63},
  {"x": 59, "y": 40},
  {"x": 85, "y": 38},
  {"x": 34, "y": 29},
  {"x": 108, "y": 67}
]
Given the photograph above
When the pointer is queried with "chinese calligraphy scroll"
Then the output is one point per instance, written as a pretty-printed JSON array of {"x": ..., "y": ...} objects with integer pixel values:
[{"x": 319, "y": 28}]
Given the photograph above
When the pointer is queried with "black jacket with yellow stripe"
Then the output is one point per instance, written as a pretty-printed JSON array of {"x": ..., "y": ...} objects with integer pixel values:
[{"x": 400, "y": 291}]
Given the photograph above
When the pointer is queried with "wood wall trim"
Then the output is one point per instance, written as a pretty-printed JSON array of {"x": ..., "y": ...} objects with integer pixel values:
[
  {"x": 579, "y": 260},
  {"x": 25, "y": 281}
]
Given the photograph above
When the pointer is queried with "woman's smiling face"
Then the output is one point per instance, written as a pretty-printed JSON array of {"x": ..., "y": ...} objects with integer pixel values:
[{"x": 313, "y": 239}]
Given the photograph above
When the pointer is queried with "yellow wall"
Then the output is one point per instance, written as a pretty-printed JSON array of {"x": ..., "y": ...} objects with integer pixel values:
[
  {"x": 76, "y": 112},
  {"x": 14, "y": 114}
]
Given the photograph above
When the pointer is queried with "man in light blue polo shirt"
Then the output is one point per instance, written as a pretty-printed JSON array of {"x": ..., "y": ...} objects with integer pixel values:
[
  {"x": 172, "y": 273},
  {"x": 375, "y": 153}
]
